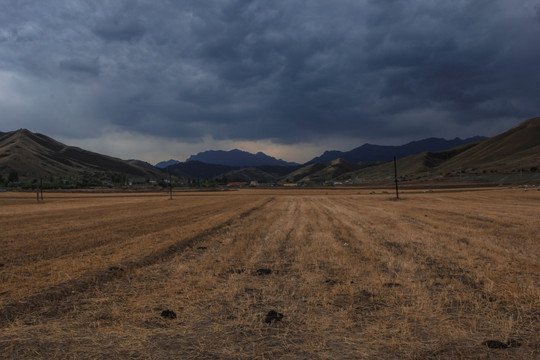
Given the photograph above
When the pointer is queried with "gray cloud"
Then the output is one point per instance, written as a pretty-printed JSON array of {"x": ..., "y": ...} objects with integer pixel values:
[
  {"x": 288, "y": 71},
  {"x": 119, "y": 29},
  {"x": 89, "y": 67}
]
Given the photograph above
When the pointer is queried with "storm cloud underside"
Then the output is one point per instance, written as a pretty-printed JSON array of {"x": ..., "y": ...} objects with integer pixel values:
[{"x": 286, "y": 72}]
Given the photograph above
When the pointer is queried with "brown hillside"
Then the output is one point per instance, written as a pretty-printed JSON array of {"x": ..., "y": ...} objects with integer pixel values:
[
  {"x": 492, "y": 159},
  {"x": 505, "y": 151},
  {"x": 298, "y": 175},
  {"x": 251, "y": 174},
  {"x": 322, "y": 172},
  {"x": 34, "y": 155}
]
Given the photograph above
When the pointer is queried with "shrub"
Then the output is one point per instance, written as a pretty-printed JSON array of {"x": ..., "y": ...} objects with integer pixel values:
[{"x": 13, "y": 176}]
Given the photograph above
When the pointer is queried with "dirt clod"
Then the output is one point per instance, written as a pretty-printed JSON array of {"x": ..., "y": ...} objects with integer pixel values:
[
  {"x": 168, "y": 314},
  {"x": 116, "y": 269},
  {"x": 273, "y": 316},
  {"x": 391, "y": 284},
  {"x": 263, "y": 271},
  {"x": 496, "y": 344},
  {"x": 201, "y": 248},
  {"x": 513, "y": 343},
  {"x": 367, "y": 294}
]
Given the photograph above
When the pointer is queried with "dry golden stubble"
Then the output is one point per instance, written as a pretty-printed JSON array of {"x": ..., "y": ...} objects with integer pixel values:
[{"x": 355, "y": 276}]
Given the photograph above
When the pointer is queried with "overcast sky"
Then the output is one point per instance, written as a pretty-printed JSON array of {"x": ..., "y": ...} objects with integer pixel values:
[{"x": 155, "y": 80}]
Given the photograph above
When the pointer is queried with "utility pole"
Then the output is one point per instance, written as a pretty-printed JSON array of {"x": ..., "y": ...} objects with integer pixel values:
[{"x": 395, "y": 177}]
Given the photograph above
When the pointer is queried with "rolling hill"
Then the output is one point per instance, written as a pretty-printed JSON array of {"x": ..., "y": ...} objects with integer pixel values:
[
  {"x": 32, "y": 155},
  {"x": 324, "y": 172},
  {"x": 370, "y": 152},
  {"x": 511, "y": 156},
  {"x": 251, "y": 174},
  {"x": 519, "y": 146},
  {"x": 199, "y": 170}
]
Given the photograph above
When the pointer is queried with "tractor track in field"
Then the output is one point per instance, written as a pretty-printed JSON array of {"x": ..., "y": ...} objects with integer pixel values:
[
  {"x": 44, "y": 301},
  {"x": 117, "y": 230},
  {"x": 436, "y": 267}
]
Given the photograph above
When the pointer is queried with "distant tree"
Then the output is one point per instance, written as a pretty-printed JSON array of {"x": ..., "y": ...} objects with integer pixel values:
[
  {"x": 1, "y": 179},
  {"x": 13, "y": 176},
  {"x": 118, "y": 179},
  {"x": 534, "y": 168}
]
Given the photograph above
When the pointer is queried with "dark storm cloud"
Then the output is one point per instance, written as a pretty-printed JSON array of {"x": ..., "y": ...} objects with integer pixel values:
[
  {"x": 289, "y": 71},
  {"x": 119, "y": 30},
  {"x": 89, "y": 67}
]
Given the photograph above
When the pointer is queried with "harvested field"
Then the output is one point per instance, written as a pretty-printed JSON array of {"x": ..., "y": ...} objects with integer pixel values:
[{"x": 313, "y": 274}]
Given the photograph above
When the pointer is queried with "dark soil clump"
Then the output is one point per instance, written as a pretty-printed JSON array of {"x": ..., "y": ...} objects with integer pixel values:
[
  {"x": 273, "y": 316},
  {"x": 496, "y": 344},
  {"x": 262, "y": 272},
  {"x": 168, "y": 314}
]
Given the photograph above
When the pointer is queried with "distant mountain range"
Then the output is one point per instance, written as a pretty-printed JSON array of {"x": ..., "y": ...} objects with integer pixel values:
[
  {"x": 508, "y": 157},
  {"x": 511, "y": 156},
  {"x": 369, "y": 152},
  {"x": 233, "y": 165},
  {"x": 238, "y": 158},
  {"x": 164, "y": 164}
]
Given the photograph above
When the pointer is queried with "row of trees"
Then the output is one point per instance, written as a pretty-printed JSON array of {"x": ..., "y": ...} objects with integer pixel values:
[
  {"x": 12, "y": 178},
  {"x": 51, "y": 182},
  {"x": 86, "y": 180},
  {"x": 61, "y": 182}
]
